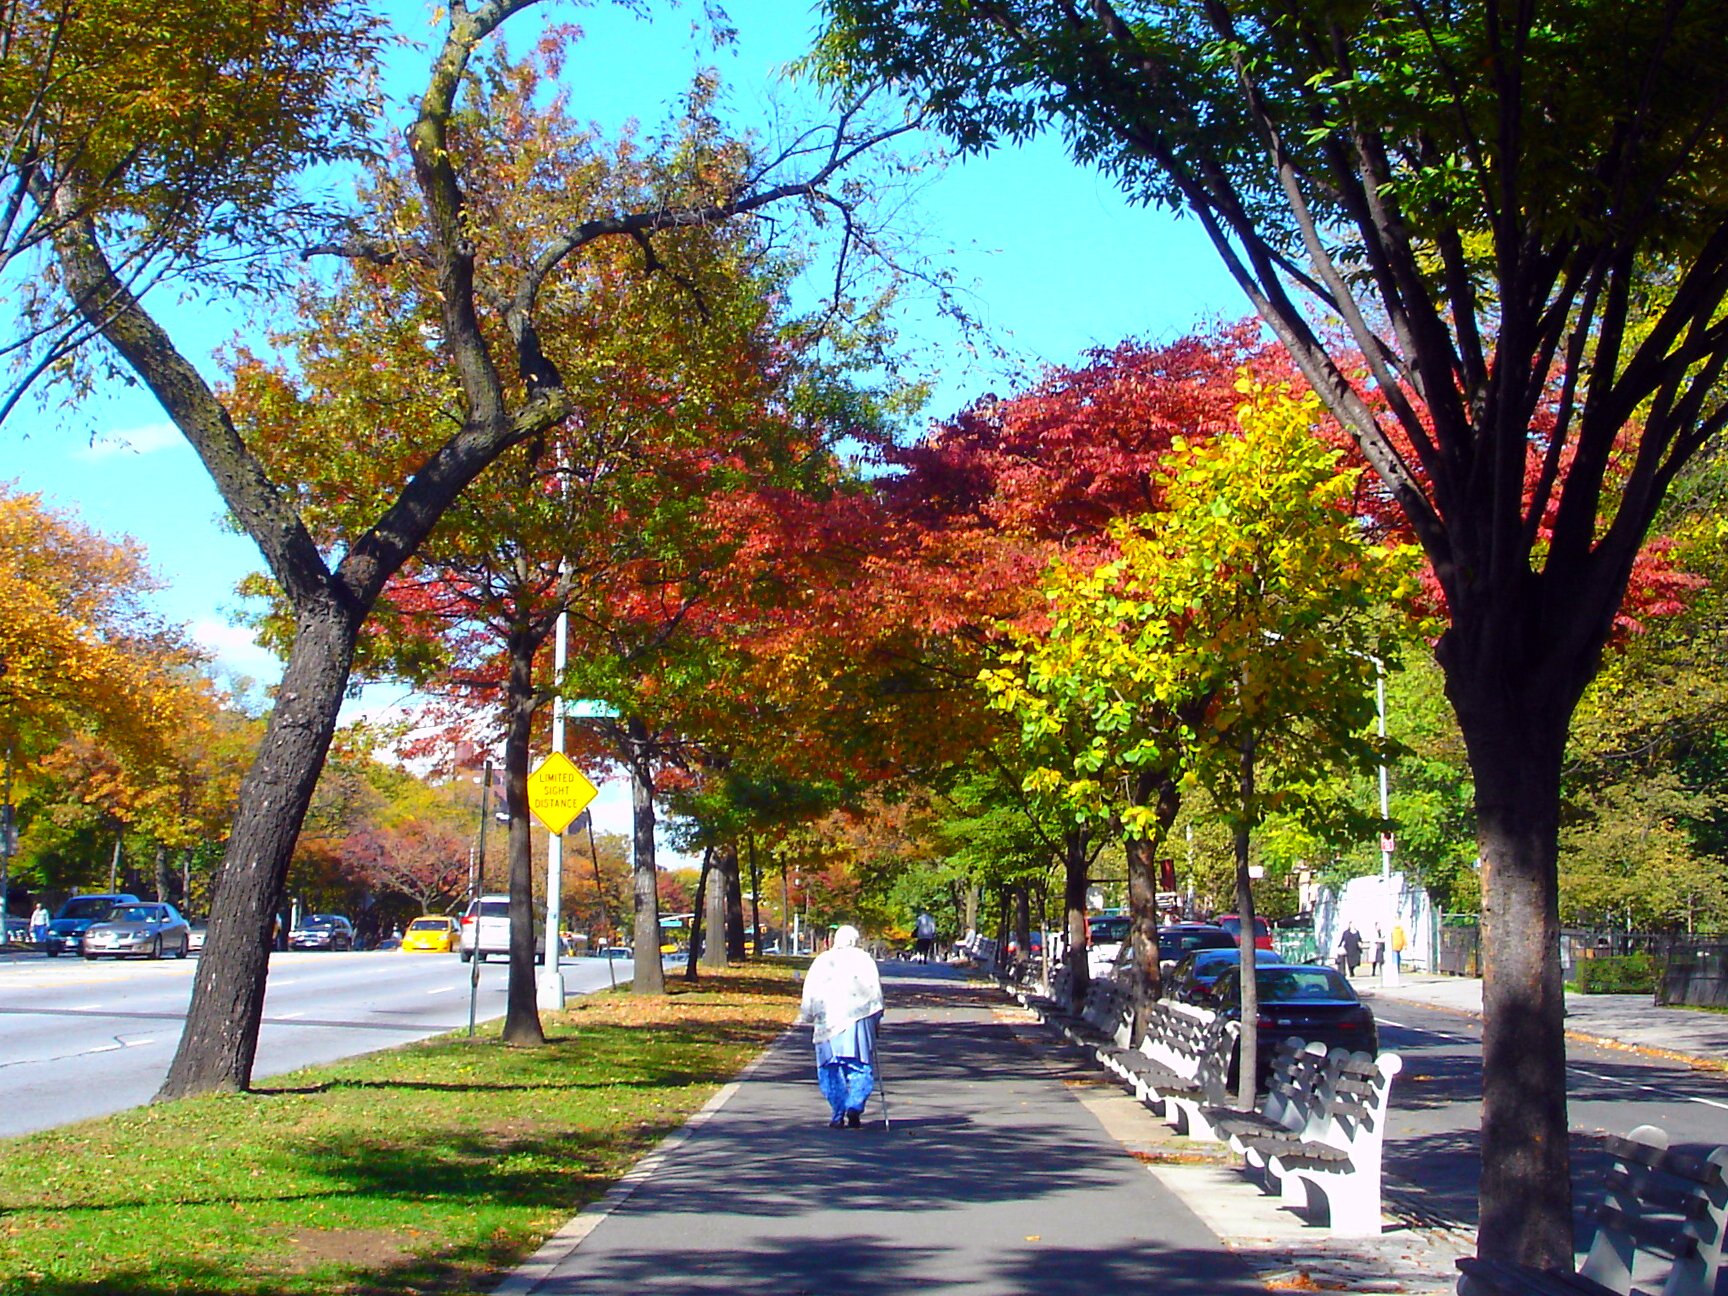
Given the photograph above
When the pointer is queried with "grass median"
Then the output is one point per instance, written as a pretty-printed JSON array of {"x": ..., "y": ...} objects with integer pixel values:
[{"x": 430, "y": 1168}]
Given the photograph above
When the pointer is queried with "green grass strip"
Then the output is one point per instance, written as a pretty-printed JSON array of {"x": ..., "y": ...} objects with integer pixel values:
[{"x": 430, "y": 1168}]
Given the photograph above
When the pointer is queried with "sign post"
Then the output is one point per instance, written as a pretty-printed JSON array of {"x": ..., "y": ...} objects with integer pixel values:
[{"x": 558, "y": 792}]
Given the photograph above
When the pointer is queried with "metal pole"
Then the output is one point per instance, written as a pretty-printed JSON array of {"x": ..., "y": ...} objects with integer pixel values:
[
  {"x": 476, "y": 884},
  {"x": 1388, "y": 965},
  {"x": 881, "y": 1087},
  {"x": 552, "y": 977},
  {"x": 6, "y": 834}
]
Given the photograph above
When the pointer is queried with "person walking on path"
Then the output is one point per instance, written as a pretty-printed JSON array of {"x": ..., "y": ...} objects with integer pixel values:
[
  {"x": 1379, "y": 952},
  {"x": 39, "y": 925},
  {"x": 1352, "y": 943},
  {"x": 843, "y": 1002},
  {"x": 924, "y": 932}
]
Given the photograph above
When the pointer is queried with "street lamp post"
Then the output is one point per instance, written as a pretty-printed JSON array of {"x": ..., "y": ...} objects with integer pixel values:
[
  {"x": 551, "y": 996},
  {"x": 1389, "y": 972}
]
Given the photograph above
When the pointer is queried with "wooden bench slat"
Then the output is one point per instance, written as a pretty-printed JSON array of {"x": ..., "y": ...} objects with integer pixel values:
[{"x": 1522, "y": 1280}]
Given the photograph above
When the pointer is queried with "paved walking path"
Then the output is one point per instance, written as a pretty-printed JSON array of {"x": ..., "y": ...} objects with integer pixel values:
[
  {"x": 991, "y": 1179},
  {"x": 1011, "y": 1166}
]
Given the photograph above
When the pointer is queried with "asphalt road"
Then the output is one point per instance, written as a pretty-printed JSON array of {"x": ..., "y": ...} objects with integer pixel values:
[
  {"x": 1433, "y": 1161},
  {"x": 82, "y": 1039}
]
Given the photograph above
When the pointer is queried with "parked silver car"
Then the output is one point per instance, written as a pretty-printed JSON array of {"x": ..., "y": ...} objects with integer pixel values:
[{"x": 141, "y": 930}]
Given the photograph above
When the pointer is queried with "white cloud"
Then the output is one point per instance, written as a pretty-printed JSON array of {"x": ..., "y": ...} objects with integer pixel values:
[
  {"x": 235, "y": 650},
  {"x": 146, "y": 438}
]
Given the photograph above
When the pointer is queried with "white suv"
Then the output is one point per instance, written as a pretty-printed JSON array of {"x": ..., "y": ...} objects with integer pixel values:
[{"x": 486, "y": 929}]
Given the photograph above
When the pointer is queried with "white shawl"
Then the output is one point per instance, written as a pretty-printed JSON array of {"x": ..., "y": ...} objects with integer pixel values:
[{"x": 842, "y": 987}]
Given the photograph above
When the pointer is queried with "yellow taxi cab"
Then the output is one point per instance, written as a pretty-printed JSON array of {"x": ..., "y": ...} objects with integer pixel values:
[{"x": 430, "y": 935}]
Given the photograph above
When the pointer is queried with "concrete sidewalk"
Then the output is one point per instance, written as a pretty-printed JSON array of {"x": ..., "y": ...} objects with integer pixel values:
[
  {"x": 1012, "y": 1165},
  {"x": 992, "y": 1179}
]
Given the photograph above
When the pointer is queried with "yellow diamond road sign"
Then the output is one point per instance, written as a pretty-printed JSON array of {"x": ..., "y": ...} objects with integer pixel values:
[{"x": 558, "y": 792}]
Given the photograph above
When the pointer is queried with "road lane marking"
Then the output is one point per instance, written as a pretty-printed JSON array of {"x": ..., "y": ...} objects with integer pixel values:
[
  {"x": 1650, "y": 1088},
  {"x": 1659, "y": 1090},
  {"x": 443, "y": 990},
  {"x": 1425, "y": 1030}
]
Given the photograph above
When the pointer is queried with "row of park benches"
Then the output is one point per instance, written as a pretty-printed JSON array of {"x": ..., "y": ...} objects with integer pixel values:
[
  {"x": 1315, "y": 1142},
  {"x": 1661, "y": 1228}
]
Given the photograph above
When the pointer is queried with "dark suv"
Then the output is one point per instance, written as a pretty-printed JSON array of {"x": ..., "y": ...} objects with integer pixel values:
[
  {"x": 322, "y": 931},
  {"x": 1182, "y": 938},
  {"x": 66, "y": 931}
]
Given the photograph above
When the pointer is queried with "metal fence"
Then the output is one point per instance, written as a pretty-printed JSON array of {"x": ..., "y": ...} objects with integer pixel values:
[{"x": 1693, "y": 968}]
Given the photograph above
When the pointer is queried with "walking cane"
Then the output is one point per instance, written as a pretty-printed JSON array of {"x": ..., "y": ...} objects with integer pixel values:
[{"x": 882, "y": 1091}]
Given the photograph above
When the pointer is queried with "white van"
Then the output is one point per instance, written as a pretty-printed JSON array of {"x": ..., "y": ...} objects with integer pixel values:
[{"x": 486, "y": 929}]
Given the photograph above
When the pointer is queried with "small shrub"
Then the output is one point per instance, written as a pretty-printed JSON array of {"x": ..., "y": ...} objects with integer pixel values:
[{"x": 1618, "y": 974}]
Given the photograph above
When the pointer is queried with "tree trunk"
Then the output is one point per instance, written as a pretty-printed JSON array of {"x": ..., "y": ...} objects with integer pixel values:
[
  {"x": 736, "y": 949},
  {"x": 1075, "y": 861},
  {"x": 650, "y": 976},
  {"x": 164, "y": 878},
  {"x": 1023, "y": 919},
  {"x": 755, "y": 896},
  {"x": 1525, "y": 1194},
  {"x": 699, "y": 919},
  {"x": 221, "y": 1033},
  {"x": 713, "y": 908},
  {"x": 1146, "y": 978},
  {"x": 521, "y": 1001},
  {"x": 1248, "y": 1055}
]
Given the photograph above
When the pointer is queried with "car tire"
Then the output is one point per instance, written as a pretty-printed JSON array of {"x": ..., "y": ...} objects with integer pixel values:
[
  {"x": 185, "y": 948},
  {"x": 464, "y": 955},
  {"x": 53, "y": 952},
  {"x": 156, "y": 948},
  {"x": 89, "y": 957}
]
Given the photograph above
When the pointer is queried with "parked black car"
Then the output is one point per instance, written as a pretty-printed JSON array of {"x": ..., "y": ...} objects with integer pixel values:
[
  {"x": 66, "y": 929},
  {"x": 1312, "y": 1003},
  {"x": 1195, "y": 977},
  {"x": 322, "y": 931},
  {"x": 1183, "y": 938}
]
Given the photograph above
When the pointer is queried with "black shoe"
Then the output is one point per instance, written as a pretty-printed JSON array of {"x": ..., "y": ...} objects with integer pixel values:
[
  {"x": 852, "y": 1120},
  {"x": 837, "y": 1122}
]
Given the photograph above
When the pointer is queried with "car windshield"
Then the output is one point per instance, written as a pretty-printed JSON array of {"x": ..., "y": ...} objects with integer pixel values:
[
  {"x": 131, "y": 913},
  {"x": 429, "y": 924},
  {"x": 1174, "y": 944},
  {"x": 1109, "y": 931},
  {"x": 1232, "y": 924},
  {"x": 493, "y": 908},
  {"x": 88, "y": 907},
  {"x": 319, "y": 920},
  {"x": 1293, "y": 984}
]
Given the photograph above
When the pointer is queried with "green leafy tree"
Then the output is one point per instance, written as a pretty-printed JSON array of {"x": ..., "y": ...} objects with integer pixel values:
[
  {"x": 502, "y": 389},
  {"x": 1229, "y": 648},
  {"x": 1495, "y": 240}
]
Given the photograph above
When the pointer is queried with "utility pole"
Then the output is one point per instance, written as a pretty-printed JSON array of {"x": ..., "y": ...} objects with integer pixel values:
[
  {"x": 476, "y": 884},
  {"x": 551, "y": 996},
  {"x": 8, "y": 843}
]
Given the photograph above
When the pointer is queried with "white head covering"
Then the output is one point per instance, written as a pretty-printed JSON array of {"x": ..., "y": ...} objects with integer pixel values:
[{"x": 842, "y": 987}]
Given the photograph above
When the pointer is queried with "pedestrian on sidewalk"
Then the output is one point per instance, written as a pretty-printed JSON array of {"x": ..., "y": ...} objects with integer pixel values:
[
  {"x": 843, "y": 1002},
  {"x": 39, "y": 925},
  {"x": 1379, "y": 950},
  {"x": 924, "y": 932},
  {"x": 1352, "y": 943}
]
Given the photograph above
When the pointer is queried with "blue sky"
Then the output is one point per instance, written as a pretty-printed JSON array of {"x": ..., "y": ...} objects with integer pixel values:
[{"x": 1048, "y": 255}]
